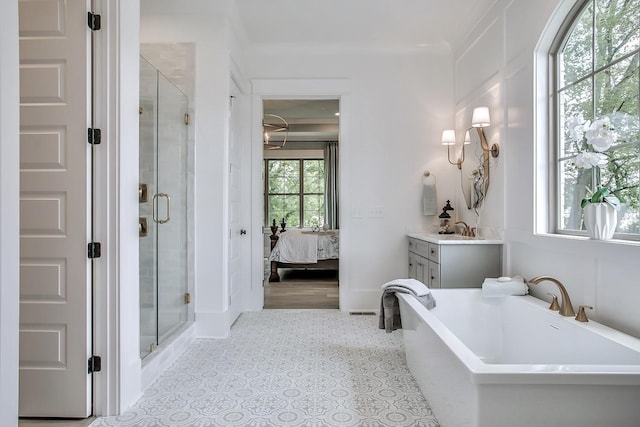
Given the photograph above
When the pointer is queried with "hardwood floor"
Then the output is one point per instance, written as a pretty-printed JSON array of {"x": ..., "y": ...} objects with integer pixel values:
[
  {"x": 54, "y": 422},
  {"x": 303, "y": 289}
]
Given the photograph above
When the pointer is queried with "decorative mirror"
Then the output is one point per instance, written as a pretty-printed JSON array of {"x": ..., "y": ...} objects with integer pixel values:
[{"x": 474, "y": 173}]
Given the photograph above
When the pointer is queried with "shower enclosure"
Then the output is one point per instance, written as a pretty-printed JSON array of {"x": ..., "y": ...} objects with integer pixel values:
[{"x": 162, "y": 192}]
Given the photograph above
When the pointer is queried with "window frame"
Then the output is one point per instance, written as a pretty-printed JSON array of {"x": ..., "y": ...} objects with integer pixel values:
[
  {"x": 554, "y": 109},
  {"x": 301, "y": 194}
]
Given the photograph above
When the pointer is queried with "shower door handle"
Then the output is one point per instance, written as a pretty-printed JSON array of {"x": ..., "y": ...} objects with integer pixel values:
[{"x": 155, "y": 207}]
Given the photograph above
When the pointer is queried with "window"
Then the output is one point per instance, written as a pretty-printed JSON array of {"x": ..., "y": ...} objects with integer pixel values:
[
  {"x": 597, "y": 86},
  {"x": 294, "y": 190}
]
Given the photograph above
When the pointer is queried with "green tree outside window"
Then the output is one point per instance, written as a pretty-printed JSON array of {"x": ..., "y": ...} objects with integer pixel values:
[
  {"x": 294, "y": 190},
  {"x": 598, "y": 75}
]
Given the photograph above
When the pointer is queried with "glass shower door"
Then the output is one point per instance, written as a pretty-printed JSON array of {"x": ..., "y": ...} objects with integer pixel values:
[
  {"x": 147, "y": 187},
  {"x": 171, "y": 208},
  {"x": 163, "y": 208}
]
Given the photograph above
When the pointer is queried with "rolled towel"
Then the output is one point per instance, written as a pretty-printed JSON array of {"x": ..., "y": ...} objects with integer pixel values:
[
  {"x": 504, "y": 286},
  {"x": 412, "y": 286}
]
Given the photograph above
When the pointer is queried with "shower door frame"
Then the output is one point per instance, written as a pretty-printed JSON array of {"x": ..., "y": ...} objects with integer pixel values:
[{"x": 167, "y": 271}]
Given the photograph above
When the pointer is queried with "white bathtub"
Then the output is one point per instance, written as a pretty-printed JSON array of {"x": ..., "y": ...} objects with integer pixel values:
[{"x": 511, "y": 362}]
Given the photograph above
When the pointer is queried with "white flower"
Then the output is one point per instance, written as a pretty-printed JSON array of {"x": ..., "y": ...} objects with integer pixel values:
[
  {"x": 577, "y": 127},
  {"x": 601, "y": 135},
  {"x": 588, "y": 160}
]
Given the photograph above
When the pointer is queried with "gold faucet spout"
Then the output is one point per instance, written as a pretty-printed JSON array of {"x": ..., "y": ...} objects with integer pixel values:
[
  {"x": 566, "y": 309},
  {"x": 466, "y": 231}
]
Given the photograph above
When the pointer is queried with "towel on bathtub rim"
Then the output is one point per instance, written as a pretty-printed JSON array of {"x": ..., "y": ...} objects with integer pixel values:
[
  {"x": 504, "y": 286},
  {"x": 389, "y": 318}
]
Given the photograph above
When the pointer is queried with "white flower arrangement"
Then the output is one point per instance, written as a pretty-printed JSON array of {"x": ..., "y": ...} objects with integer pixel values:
[{"x": 600, "y": 135}]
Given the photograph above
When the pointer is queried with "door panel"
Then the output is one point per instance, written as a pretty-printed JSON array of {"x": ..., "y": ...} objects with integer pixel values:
[
  {"x": 238, "y": 210},
  {"x": 55, "y": 282}
]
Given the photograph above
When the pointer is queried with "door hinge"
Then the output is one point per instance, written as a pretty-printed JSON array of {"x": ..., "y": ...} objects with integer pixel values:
[
  {"x": 187, "y": 298},
  {"x": 94, "y": 136},
  {"x": 95, "y": 364},
  {"x": 94, "y": 21},
  {"x": 94, "y": 250},
  {"x": 187, "y": 119}
]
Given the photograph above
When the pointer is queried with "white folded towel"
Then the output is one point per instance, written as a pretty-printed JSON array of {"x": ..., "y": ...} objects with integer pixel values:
[
  {"x": 416, "y": 287},
  {"x": 429, "y": 196},
  {"x": 389, "y": 318},
  {"x": 504, "y": 286}
]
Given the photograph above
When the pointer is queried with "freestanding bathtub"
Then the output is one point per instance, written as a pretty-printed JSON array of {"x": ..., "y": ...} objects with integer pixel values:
[{"x": 511, "y": 362}]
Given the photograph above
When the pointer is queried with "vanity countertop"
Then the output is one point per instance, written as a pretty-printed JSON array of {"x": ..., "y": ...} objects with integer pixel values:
[{"x": 453, "y": 239}]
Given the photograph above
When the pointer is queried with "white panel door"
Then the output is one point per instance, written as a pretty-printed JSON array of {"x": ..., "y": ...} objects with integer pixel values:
[
  {"x": 238, "y": 202},
  {"x": 55, "y": 272}
]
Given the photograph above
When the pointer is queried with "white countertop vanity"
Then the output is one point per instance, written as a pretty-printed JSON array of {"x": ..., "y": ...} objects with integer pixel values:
[{"x": 452, "y": 260}]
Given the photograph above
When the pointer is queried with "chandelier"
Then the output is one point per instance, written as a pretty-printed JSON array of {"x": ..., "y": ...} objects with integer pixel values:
[{"x": 275, "y": 131}]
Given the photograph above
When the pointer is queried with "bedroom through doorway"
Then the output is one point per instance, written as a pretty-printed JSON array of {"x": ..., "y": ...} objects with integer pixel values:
[{"x": 301, "y": 203}]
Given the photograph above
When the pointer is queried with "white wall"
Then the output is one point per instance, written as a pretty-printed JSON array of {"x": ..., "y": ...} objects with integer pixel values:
[
  {"x": 497, "y": 65},
  {"x": 123, "y": 202},
  {"x": 394, "y": 107},
  {"x": 9, "y": 214}
]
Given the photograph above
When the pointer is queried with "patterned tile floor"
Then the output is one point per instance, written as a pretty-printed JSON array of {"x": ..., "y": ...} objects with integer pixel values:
[{"x": 287, "y": 368}]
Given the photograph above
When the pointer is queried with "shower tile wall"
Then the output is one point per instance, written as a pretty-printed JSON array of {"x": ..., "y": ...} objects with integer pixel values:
[{"x": 176, "y": 61}]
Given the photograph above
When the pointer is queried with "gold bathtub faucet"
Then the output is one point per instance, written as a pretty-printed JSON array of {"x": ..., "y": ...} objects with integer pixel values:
[{"x": 566, "y": 309}]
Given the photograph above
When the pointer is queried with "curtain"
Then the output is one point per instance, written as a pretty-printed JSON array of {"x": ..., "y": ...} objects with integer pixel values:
[{"x": 331, "y": 185}]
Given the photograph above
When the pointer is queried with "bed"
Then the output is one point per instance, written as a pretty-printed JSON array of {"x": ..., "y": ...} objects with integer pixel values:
[{"x": 296, "y": 248}]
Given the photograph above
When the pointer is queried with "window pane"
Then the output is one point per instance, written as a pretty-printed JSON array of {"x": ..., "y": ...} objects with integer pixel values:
[
  {"x": 284, "y": 176},
  {"x": 287, "y": 207},
  {"x": 617, "y": 23},
  {"x": 313, "y": 210},
  {"x": 575, "y": 57},
  {"x": 575, "y": 107},
  {"x": 615, "y": 98},
  {"x": 313, "y": 176},
  {"x": 573, "y": 188},
  {"x": 617, "y": 88}
]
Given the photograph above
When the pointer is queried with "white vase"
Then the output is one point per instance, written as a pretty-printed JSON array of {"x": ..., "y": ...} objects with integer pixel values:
[{"x": 600, "y": 220}]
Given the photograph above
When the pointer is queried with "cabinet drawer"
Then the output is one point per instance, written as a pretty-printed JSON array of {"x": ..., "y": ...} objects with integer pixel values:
[
  {"x": 434, "y": 252},
  {"x": 419, "y": 247}
]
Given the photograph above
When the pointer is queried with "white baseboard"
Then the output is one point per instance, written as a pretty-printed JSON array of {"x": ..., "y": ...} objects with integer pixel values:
[
  {"x": 215, "y": 324},
  {"x": 167, "y": 353},
  {"x": 130, "y": 387},
  {"x": 360, "y": 300}
]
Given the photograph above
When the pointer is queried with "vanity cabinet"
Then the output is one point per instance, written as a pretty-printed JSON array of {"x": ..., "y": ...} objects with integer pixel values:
[{"x": 454, "y": 263}]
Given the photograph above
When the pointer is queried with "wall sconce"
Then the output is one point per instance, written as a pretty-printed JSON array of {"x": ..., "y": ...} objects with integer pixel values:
[
  {"x": 449, "y": 139},
  {"x": 480, "y": 120}
]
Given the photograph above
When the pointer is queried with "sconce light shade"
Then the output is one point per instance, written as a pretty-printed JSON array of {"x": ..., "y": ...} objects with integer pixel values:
[
  {"x": 467, "y": 138},
  {"x": 449, "y": 137},
  {"x": 480, "y": 118}
]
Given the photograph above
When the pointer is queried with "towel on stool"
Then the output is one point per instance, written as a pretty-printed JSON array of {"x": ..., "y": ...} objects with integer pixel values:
[
  {"x": 389, "y": 319},
  {"x": 504, "y": 286}
]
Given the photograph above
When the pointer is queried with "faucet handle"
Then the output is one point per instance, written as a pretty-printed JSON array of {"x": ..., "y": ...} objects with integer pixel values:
[
  {"x": 582, "y": 316},
  {"x": 554, "y": 302}
]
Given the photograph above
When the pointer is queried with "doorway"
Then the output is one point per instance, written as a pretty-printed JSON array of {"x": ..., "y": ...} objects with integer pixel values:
[{"x": 301, "y": 202}]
